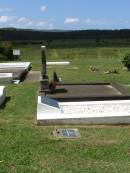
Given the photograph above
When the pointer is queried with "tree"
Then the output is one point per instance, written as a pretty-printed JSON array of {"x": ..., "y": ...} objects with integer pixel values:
[
  {"x": 2, "y": 56},
  {"x": 126, "y": 61},
  {"x": 7, "y": 50}
]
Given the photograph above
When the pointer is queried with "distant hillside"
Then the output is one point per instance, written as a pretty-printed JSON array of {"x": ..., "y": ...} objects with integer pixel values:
[{"x": 12, "y": 34}]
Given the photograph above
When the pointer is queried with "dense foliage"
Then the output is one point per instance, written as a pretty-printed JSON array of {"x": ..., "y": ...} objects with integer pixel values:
[
  {"x": 12, "y": 34},
  {"x": 6, "y": 51},
  {"x": 126, "y": 61}
]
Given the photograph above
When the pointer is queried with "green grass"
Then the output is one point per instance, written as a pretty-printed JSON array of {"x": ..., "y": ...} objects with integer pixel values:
[
  {"x": 104, "y": 58},
  {"x": 26, "y": 147}
]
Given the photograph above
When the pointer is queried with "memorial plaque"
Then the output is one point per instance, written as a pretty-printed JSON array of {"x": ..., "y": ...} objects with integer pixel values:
[{"x": 66, "y": 133}]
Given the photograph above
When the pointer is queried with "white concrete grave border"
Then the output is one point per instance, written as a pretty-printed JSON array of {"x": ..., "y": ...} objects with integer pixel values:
[
  {"x": 24, "y": 65},
  {"x": 51, "y": 111}
]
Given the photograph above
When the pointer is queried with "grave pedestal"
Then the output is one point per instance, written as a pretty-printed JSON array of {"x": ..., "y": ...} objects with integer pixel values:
[{"x": 44, "y": 85}]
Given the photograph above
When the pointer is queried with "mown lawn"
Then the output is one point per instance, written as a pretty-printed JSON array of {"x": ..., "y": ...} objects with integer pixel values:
[
  {"x": 28, "y": 148},
  {"x": 81, "y": 59}
]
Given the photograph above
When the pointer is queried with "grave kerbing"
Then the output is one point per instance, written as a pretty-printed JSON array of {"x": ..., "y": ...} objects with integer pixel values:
[{"x": 82, "y": 103}]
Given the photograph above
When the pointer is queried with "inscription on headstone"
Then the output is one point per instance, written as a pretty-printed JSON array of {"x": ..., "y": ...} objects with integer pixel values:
[{"x": 95, "y": 108}]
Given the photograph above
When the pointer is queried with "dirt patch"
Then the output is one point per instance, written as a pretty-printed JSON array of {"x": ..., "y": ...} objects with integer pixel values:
[
  {"x": 107, "y": 142},
  {"x": 33, "y": 76}
]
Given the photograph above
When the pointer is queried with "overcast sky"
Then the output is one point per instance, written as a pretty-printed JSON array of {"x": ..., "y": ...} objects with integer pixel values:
[{"x": 65, "y": 14}]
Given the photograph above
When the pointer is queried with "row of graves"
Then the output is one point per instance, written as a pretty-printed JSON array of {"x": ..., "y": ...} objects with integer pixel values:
[
  {"x": 12, "y": 72},
  {"x": 80, "y": 103},
  {"x": 70, "y": 103}
]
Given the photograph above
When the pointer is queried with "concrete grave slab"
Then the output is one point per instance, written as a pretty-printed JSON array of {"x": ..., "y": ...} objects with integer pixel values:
[
  {"x": 18, "y": 69},
  {"x": 23, "y": 65},
  {"x": 84, "y": 104}
]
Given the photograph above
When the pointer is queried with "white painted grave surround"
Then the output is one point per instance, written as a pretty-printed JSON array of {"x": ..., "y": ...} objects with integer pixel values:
[
  {"x": 24, "y": 65},
  {"x": 84, "y": 112},
  {"x": 59, "y": 63},
  {"x": 2, "y": 94}
]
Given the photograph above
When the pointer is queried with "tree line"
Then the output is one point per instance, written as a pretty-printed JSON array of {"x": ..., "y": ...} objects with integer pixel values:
[{"x": 13, "y": 34}]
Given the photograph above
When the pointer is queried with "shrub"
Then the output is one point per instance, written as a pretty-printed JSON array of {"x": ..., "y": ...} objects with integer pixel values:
[
  {"x": 126, "y": 61},
  {"x": 6, "y": 51}
]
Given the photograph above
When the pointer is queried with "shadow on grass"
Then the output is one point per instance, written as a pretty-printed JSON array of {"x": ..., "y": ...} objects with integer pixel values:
[
  {"x": 7, "y": 99},
  {"x": 24, "y": 75}
]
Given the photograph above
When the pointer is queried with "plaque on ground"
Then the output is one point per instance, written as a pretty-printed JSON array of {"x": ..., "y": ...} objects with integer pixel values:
[{"x": 66, "y": 133}]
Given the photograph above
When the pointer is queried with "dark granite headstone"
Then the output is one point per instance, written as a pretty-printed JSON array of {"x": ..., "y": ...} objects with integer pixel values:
[{"x": 44, "y": 82}]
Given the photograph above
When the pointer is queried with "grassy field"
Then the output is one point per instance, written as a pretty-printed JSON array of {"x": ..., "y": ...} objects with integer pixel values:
[
  {"x": 28, "y": 148},
  {"x": 81, "y": 59}
]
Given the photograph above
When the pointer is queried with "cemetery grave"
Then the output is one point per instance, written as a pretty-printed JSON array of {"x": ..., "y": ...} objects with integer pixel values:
[
  {"x": 81, "y": 103},
  {"x": 12, "y": 72},
  {"x": 18, "y": 70}
]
